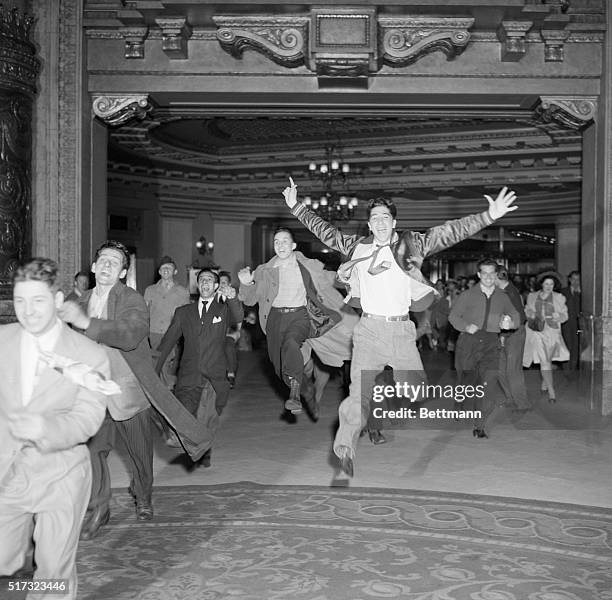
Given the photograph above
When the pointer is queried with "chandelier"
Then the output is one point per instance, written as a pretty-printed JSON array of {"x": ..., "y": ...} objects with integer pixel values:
[{"x": 336, "y": 201}]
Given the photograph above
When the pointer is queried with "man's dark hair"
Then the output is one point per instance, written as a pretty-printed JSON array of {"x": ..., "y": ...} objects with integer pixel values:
[
  {"x": 207, "y": 270},
  {"x": 38, "y": 269},
  {"x": 488, "y": 262},
  {"x": 225, "y": 274},
  {"x": 115, "y": 245},
  {"x": 574, "y": 273},
  {"x": 380, "y": 201},
  {"x": 285, "y": 230},
  {"x": 166, "y": 260},
  {"x": 502, "y": 273},
  {"x": 81, "y": 274}
]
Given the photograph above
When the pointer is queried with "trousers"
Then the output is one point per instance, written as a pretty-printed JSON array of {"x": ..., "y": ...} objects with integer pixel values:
[
  {"x": 376, "y": 344},
  {"x": 136, "y": 434}
]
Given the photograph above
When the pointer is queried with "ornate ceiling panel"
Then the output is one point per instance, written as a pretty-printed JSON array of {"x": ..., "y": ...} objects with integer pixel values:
[{"x": 440, "y": 166}]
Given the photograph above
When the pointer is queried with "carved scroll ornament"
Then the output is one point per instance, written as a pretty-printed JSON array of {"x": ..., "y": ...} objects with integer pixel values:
[
  {"x": 116, "y": 109},
  {"x": 573, "y": 113},
  {"x": 296, "y": 40},
  {"x": 281, "y": 39},
  {"x": 406, "y": 40}
]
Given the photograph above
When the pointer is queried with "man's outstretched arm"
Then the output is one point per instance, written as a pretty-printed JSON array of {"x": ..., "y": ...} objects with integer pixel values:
[
  {"x": 450, "y": 233},
  {"x": 331, "y": 236}
]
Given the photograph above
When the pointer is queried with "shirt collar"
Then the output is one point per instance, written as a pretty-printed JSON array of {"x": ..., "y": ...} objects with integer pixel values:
[{"x": 47, "y": 340}]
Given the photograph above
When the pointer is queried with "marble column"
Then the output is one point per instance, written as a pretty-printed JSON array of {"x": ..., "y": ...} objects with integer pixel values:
[{"x": 19, "y": 67}]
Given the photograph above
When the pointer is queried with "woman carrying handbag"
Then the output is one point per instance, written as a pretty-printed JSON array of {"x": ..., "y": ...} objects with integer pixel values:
[{"x": 545, "y": 310}]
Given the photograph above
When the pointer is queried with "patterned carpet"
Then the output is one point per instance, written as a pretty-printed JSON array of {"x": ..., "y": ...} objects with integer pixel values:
[{"x": 248, "y": 541}]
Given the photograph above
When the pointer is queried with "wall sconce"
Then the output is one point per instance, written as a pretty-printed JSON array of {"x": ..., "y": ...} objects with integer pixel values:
[{"x": 204, "y": 246}]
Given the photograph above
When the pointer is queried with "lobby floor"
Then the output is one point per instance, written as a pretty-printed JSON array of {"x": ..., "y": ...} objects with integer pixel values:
[{"x": 559, "y": 452}]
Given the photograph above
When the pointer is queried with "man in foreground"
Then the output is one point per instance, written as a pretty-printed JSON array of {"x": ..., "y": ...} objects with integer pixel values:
[
  {"x": 202, "y": 326},
  {"x": 47, "y": 414},
  {"x": 290, "y": 310},
  {"x": 479, "y": 314},
  {"x": 384, "y": 274},
  {"x": 116, "y": 316}
]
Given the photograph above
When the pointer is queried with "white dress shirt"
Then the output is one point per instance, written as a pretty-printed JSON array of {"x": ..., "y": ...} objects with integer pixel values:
[
  {"x": 30, "y": 364},
  {"x": 387, "y": 293}
]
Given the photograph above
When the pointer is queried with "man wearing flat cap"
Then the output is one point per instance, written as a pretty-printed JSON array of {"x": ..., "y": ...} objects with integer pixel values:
[{"x": 383, "y": 272}]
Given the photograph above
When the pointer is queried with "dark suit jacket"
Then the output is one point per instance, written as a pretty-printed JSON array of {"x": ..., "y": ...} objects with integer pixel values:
[
  {"x": 574, "y": 307},
  {"x": 203, "y": 354},
  {"x": 127, "y": 329}
]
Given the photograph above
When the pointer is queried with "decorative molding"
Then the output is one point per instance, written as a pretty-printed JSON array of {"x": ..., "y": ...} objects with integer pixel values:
[
  {"x": 63, "y": 230},
  {"x": 19, "y": 66},
  {"x": 406, "y": 40},
  {"x": 573, "y": 113},
  {"x": 117, "y": 109},
  {"x": 343, "y": 43},
  {"x": 134, "y": 41},
  {"x": 281, "y": 39},
  {"x": 175, "y": 33},
  {"x": 512, "y": 35}
]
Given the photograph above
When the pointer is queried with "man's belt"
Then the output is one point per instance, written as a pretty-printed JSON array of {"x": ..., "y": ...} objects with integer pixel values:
[
  {"x": 384, "y": 318},
  {"x": 288, "y": 309}
]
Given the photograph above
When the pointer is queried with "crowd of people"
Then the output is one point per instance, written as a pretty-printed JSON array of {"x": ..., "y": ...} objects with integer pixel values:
[{"x": 107, "y": 360}]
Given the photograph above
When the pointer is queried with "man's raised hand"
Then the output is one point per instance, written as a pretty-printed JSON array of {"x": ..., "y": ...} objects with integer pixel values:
[
  {"x": 502, "y": 204},
  {"x": 245, "y": 276},
  {"x": 290, "y": 193}
]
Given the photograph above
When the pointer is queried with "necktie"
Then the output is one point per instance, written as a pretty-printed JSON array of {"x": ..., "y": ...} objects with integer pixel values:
[
  {"x": 383, "y": 266},
  {"x": 344, "y": 271}
]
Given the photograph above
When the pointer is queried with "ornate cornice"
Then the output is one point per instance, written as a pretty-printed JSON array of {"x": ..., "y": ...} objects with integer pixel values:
[
  {"x": 117, "y": 109},
  {"x": 574, "y": 113},
  {"x": 345, "y": 42},
  {"x": 19, "y": 66}
]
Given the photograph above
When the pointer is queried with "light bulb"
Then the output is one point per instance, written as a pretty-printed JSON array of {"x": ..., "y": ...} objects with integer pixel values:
[
  {"x": 312, "y": 166},
  {"x": 307, "y": 200},
  {"x": 343, "y": 200},
  {"x": 345, "y": 168},
  {"x": 323, "y": 200},
  {"x": 335, "y": 165},
  {"x": 323, "y": 169}
]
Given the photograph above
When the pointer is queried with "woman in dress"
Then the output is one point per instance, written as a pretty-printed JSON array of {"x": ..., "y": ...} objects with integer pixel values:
[{"x": 545, "y": 346}]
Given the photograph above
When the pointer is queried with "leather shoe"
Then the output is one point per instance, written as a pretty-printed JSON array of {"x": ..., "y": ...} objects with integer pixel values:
[
  {"x": 293, "y": 406},
  {"x": 346, "y": 460},
  {"x": 376, "y": 437},
  {"x": 205, "y": 460},
  {"x": 144, "y": 510},
  {"x": 346, "y": 464},
  {"x": 100, "y": 516}
]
